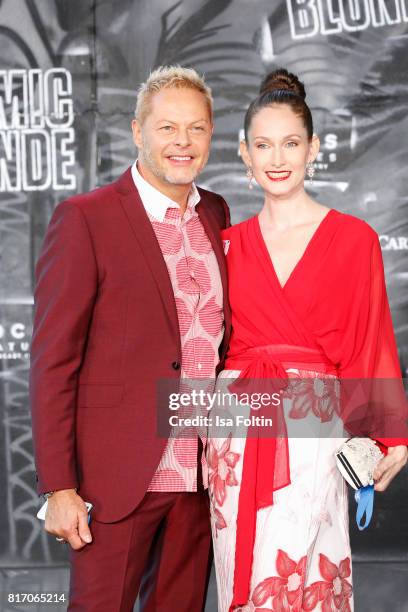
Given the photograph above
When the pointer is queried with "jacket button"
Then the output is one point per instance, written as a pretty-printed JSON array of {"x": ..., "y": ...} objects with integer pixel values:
[{"x": 175, "y": 365}]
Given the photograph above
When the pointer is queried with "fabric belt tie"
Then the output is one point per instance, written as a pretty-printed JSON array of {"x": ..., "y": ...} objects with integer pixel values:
[{"x": 266, "y": 459}]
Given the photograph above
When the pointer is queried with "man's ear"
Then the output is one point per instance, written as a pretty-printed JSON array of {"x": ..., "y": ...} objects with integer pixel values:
[
  {"x": 314, "y": 148},
  {"x": 137, "y": 133},
  {"x": 243, "y": 149}
]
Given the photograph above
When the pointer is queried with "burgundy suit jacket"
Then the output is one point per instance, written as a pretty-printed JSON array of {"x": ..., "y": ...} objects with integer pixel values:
[{"x": 105, "y": 331}]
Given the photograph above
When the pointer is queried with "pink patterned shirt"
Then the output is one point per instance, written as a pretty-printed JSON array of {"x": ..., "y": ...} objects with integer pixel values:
[{"x": 197, "y": 287}]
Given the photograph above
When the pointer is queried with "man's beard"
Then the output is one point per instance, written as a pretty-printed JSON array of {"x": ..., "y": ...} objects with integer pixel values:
[{"x": 147, "y": 158}]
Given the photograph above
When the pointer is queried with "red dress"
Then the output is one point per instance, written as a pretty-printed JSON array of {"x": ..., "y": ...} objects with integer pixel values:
[
  {"x": 334, "y": 301},
  {"x": 331, "y": 316}
]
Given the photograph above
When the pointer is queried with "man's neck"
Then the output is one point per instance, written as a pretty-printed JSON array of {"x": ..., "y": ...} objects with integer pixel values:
[{"x": 176, "y": 193}]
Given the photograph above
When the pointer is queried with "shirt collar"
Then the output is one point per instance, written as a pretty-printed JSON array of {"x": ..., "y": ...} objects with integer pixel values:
[{"x": 154, "y": 201}]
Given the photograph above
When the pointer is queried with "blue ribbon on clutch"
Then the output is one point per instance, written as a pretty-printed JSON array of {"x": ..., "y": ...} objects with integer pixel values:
[{"x": 365, "y": 505}]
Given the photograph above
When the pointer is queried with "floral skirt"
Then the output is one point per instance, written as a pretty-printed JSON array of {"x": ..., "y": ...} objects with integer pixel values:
[{"x": 302, "y": 557}]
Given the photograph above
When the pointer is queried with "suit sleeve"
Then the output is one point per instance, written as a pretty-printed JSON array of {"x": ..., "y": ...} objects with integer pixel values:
[{"x": 65, "y": 292}]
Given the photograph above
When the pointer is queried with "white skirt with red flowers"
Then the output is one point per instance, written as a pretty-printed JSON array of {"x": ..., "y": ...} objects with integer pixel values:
[{"x": 302, "y": 557}]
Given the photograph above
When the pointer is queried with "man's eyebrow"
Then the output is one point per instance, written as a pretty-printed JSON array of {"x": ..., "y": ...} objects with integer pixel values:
[{"x": 174, "y": 122}]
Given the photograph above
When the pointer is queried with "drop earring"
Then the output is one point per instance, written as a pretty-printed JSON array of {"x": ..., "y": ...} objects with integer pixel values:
[
  {"x": 310, "y": 171},
  {"x": 250, "y": 176}
]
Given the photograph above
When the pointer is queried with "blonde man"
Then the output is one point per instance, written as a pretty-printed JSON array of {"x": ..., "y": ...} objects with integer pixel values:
[{"x": 131, "y": 290}]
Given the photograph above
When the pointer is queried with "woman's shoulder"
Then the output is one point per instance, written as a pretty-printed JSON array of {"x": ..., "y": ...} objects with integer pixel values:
[
  {"x": 237, "y": 229},
  {"x": 355, "y": 228}
]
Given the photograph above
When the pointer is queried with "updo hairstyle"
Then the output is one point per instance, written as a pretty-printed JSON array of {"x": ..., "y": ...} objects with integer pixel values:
[{"x": 281, "y": 87}]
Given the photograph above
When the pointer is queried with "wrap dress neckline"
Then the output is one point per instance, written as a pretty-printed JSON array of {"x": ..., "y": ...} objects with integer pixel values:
[{"x": 309, "y": 246}]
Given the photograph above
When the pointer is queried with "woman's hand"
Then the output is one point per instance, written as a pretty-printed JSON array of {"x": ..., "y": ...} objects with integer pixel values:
[{"x": 389, "y": 466}]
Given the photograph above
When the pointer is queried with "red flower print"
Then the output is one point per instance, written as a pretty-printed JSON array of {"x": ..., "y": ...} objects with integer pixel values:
[
  {"x": 211, "y": 317},
  {"x": 317, "y": 394},
  {"x": 334, "y": 591},
  {"x": 192, "y": 276},
  {"x": 221, "y": 465},
  {"x": 197, "y": 236},
  {"x": 286, "y": 590},
  {"x": 220, "y": 522},
  {"x": 270, "y": 587},
  {"x": 200, "y": 359},
  {"x": 185, "y": 318},
  {"x": 169, "y": 236},
  {"x": 311, "y": 596},
  {"x": 340, "y": 589},
  {"x": 288, "y": 595}
]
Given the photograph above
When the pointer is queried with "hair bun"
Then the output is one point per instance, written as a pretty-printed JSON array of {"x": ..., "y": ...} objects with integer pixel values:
[{"x": 282, "y": 79}]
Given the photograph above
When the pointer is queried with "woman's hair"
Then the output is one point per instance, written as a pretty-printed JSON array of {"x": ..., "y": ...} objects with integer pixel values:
[
  {"x": 166, "y": 77},
  {"x": 281, "y": 87}
]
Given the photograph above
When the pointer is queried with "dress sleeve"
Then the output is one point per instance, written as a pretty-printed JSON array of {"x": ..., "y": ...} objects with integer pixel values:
[{"x": 370, "y": 356}]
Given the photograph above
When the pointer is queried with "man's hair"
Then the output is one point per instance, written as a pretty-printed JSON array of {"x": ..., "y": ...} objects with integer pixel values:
[{"x": 166, "y": 77}]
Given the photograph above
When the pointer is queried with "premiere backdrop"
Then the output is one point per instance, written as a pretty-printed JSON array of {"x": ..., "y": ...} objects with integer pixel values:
[{"x": 68, "y": 74}]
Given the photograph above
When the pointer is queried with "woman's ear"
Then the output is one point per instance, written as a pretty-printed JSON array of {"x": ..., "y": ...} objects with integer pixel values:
[
  {"x": 243, "y": 149},
  {"x": 314, "y": 148}
]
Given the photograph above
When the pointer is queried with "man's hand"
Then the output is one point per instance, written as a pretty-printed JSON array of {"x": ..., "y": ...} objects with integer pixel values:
[
  {"x": 389, "y": 466},
  {"x": 67, "y": 518}
]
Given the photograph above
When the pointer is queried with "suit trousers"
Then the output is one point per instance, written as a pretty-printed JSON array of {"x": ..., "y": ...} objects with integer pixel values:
[{"x": 161, "y": 551}]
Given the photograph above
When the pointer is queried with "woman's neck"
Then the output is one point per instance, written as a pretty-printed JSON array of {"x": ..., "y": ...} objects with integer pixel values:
[{"x": 283, "y": 213}]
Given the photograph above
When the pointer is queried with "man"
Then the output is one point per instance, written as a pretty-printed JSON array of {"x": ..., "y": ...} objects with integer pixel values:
[{"x": 131, "y": 289}]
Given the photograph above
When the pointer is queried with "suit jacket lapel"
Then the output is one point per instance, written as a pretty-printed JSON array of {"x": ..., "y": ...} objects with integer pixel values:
[{"x": 144, "y": 234}]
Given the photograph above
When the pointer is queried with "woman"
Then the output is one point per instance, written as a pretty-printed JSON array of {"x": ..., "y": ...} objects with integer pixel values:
[{"x": 308, "y": 303}]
